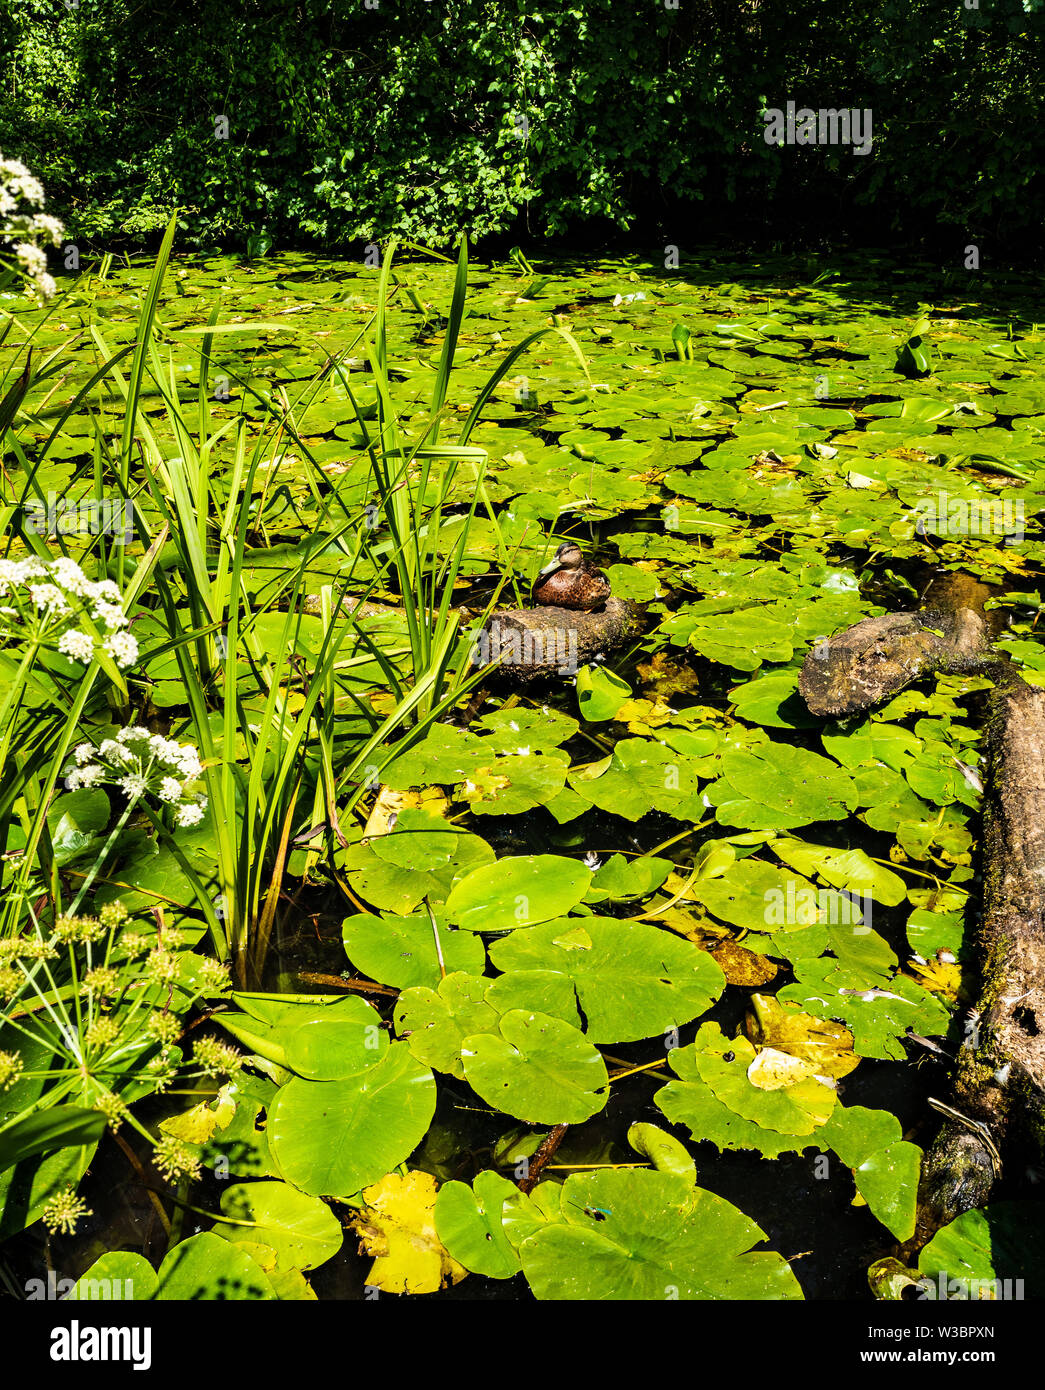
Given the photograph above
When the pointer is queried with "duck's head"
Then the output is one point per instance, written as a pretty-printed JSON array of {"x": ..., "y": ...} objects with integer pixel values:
[{"x": 567, "y": 557}]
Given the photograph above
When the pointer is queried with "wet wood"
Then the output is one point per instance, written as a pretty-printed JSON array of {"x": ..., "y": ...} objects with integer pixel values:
[
  {"x": 999, "y": 1081},
  {"x": 870, "y": 662},
  {"x": 997, "y": 1105},
  {"x": 529, "y": 644}
]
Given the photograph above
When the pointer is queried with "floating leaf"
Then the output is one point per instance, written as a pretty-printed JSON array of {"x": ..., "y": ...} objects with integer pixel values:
[
  {"x": 436, "y": 1022},
  {"x": 824, "y": 1044},
  {"x": 996, "y": 1252},
  {"x": 517, "y": 892},
  {"x": 663, "y": 1150},
  {"x": 625, "y": 980},
  {"x": 332, "y": 1138},
  {"x": 600, "y": 693},
  {"x": 645, "y": 1235},
  {"x": 537, "y": 1068},
  {"x": 621, "y": 878},
  {"x": 118, "y": 1274},
  {"x": 469, "y": 1223},
  {"x": 301, "y": 1230},
  {"x": 207, "y": 1267},
  {"x": 780, "y": 788},
  {"x": 397, "y": 1226},
  {"x": 401, "y": 951}
]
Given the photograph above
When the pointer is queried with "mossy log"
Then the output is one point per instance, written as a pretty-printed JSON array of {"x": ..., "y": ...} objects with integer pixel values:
[
  {"x": 874, "y": 659},
  {"x": 528, "y": 644},
  {"x": 999, "y": 1081}
]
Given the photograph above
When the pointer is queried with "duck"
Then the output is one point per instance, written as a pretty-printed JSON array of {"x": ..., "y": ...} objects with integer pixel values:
[{"x": 571, "y": 581}]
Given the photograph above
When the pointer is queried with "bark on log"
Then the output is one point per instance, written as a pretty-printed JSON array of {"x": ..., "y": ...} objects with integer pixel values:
[
  {"x": 999, "y": 1082},
  {"x": 533, "y": 643},
  {"x": 528, "y": 644},
  {"x": 873, "y": 660}
]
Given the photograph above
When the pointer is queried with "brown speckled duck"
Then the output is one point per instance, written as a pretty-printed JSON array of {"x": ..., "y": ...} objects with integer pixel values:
[{"x": 571, "y": 581}]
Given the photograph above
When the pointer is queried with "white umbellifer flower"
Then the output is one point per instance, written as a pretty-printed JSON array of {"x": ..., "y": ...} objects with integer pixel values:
[
  {"x": 48, "y": 227},
  {"x": 32, "y": 260},
  {"x": 48, "y": 597},
  {"x": 68, "y": 574},
  {"x": 189, "y": 764},
  {"x": 116, "y": 753},
  {"x": 111, "y": 614},
  {"x": 134, "y": 734},
  {"x": 10, "y": 574},
  {"x": 21, "y": 182},
  {"x": 88, "y": 776},
  {"x": 76, "y": 644},
  {"x": 123, "y": 648},
  {"x": 142, "y": 764},
  {"x": 22, "y": 228},
  {"x": 53, "y": 611}
]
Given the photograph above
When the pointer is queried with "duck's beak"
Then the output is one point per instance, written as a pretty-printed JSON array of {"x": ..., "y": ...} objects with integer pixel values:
[{"x": 549, "y": 569}]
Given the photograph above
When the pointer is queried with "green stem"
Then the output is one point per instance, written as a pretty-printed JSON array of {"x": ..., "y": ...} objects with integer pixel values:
[{"x": 99, "y": 861}]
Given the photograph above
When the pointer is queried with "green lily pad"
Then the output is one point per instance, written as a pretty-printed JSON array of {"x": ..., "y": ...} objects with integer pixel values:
[
  {"x": 302, "y": 1230},
  {"x": 333, "y": 1138},
  {"x": 622, "y": 980},
  {"x": 469, "y": 1223},
  {"x": 995, "y": 1252},
  {"x": 537, "y": 1068},
  {"x": 401, "y": 951},
  {"x": 886, "y": 1168},
  {"x": 650, "y": 1236},
  {"x": 435, "y": 1022},
  {"x": 779, "y": 788},
  {"x": 118, "y": 1274},
  {"x": 207, "y": 1267},
  {"x": 517, "y": 892}
]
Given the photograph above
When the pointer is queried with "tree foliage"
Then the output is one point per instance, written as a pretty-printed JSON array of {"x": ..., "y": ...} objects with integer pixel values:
[{"x": 497, "y": 115}]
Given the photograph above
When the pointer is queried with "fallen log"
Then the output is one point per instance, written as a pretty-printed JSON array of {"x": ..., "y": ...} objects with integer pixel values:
[
  {"x": 528, "y": 644},
  {"x": 998, "y": 1088},
  {"x": 874, "y": 659},
  {"x": 999, "y": 1082}
]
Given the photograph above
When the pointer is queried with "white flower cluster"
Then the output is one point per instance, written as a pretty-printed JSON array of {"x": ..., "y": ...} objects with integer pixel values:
[
  {"x": 49, "y": 600},
  {"x": 25, "y": 228},
  {"x": 620, "y": 299},
  {"x": 141, "y": 763}
]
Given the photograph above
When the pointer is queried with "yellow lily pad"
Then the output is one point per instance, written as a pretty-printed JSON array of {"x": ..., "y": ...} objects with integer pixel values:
[
  {"x": 197, "y": 1126},
  {"x": 773, "y": 1071},
  {"x": 826, "y": 1045},
  {"x": 397, "y": 1227}
]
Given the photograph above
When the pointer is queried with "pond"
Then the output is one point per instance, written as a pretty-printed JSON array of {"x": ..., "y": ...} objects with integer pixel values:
[{"x": 531, "y": 982}]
